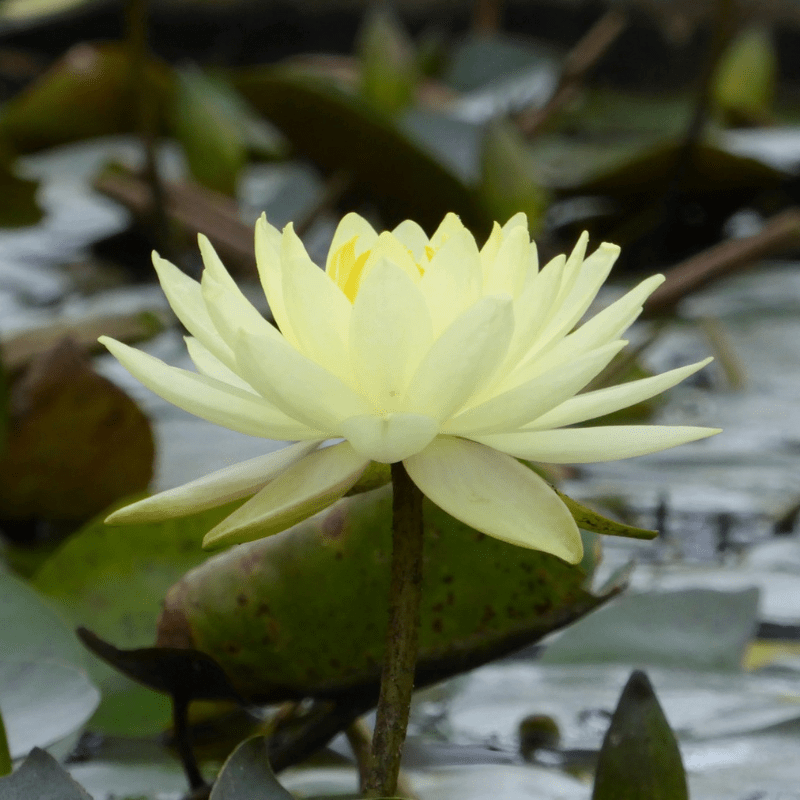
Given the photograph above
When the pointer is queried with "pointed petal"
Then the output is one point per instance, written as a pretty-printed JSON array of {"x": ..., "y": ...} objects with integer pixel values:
[
  {"x": 507, "y": 273},
  {"x": 411, "y": 235},
  {"x": 589, "y": 445},
  {"x": 520, "y": 219},
  {"x": 223, "y": 486},
  {"x": 462, "y": 359},
  {"x": 390, "y": 330},
  {"x": 309, "y": 486},
  {"x": 270, "y": 271},
  {"x": 497, "y": 495},
  {"x": 351, "y": 225},
  {"x": 606, "y": 401},
  {"x": 450, "y": 226},
  {"x": 186, "y": 299},
  {"x": 209, "y": 365},
  {"x": 319, "y": 311},
  {"x": 524, "y": 403},
  {"x": 452, "y": 280},
  {"x": 210, "y": 399},
  {"x": 489, "y": 252},
  {"x": 300, "y": 388},
  {"x": 389, "y": 248},
  {"x": 390, "y": 438}
]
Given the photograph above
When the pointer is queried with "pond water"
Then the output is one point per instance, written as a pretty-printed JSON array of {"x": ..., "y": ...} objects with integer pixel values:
[{"x": 718, "y": 500}]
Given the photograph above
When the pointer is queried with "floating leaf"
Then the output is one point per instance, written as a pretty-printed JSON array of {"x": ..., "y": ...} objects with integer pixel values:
[
  {"x": 388, "y": 67},
  {"x": 640, "y": 759},
  {"x": 88, "y": 92},
  {"x": 509, "y": 182},
  {"x": 342, "y": 134},
  {"x": 746, "y": 77},
  {"x": 246, "y": 775},
  {"x": 303, "y": 613},
  {"x": 43, "y": 778},
  {"x": 113, "y": 580},
  {"x": 696, "y": 628},
  {"x": 77, "y": 442}
]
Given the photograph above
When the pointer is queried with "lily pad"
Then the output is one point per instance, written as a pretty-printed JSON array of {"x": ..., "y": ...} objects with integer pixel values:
[
  {"x": 76, "y": 442},
  {"x": 303, "y": 613}
]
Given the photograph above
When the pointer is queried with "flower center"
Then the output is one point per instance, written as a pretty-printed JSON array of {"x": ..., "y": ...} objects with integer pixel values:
[{"x": 348, "y": 270}]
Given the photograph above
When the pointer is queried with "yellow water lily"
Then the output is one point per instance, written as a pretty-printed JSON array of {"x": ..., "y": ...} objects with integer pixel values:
[{"x": 455, "y": 360}]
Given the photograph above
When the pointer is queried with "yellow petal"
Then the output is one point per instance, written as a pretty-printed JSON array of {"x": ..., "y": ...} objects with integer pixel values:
[
  {"x": 462, "y": 359},
  {"x": 389, "y": 438},
  {"x": 390, "y": 331},
  {"x": 210, "y": 365},
  {"x": 497, "y": 495},
  {"x": 210, "y": 399},
  {"x": 589, "y": 445},
  {"x": 223, "y": 486},
  {"x": 307, "y": 487}
]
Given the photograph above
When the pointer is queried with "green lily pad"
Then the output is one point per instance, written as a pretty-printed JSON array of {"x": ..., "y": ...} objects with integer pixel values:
[
  {"x": 342, "y": 133},
  {"x": 113, "y": 580},
  {"x": 303, "y": 613}
]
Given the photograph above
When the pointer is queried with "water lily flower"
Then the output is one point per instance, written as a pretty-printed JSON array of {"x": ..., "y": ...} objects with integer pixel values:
[{"x": 455, "y": 360}]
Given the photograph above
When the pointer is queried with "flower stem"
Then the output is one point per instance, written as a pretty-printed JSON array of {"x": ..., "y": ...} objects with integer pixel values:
[{"x": 400, "y": 656}]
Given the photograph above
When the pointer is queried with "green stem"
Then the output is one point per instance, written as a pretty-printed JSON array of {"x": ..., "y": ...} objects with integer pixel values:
[{"x": 400, "y": 656}]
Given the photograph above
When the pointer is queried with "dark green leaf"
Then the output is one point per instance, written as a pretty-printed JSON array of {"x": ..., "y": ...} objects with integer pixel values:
[
  {"x": 342, "y": 134},
  {"x": 388, "y": 66},
  {"x": 247, "y": 775},
  {"x": 41, "y": 777},
  {"x": 592, "y": 521},
  {"x": 18, "y": 205},
  {"x": 5, "y": 755},
  {"x": 640, "y": 759}
]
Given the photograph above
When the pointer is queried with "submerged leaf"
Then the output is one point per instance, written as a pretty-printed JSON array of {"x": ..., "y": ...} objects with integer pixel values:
[{"x": 640, "y": 759}]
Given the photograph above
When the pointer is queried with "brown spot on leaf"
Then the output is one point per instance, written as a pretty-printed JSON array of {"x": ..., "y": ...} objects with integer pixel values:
[
  {"x": 436, "y": 625},
  {"x": 241, "y": 600},
  {"x": 333, "y": 523}
]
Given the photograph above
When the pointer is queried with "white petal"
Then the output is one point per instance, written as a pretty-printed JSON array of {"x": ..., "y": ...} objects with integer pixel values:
[
  {"x": 507, "y": 273},
  {"x": 307, "y": 487},
  {"x": 462, "y": 359},
  {"x": 589, "y": 445},
  {"x": 520, "y": 219},
  {"x": 270, "y": 271},
  {"x": 497, "y": 495},
  {"x": 606, "y": 401},
  {"x": 210, "y": 399},
  {"x": 319, "y": 312},
  {"x": 223, "y": 486},
  {"x": 208, "y": 364},
  {"x": 390, "y": 438},
  {"x": 390, "y": 331},
  {"x": 411, "y": 235},
  {"x": 513, "y": 409},
  {"x": 450, "y": 226},
  {"x": 186, "y": 299},
  {"x": 452, "y": 280},
  {"x": 572, "y": 268},
  {"x": 489, "y": 251},
  {"x": 302, "y": 389}
]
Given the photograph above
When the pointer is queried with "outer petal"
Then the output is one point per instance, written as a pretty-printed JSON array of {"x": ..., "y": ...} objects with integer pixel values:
[
  {"x": 462, "y": 359},
  {"x": 589, "y": 445},
  {"x": 270, "y": 271},
  {"x": 510, "y": 266},
  {"x": 389, "y": 438},
  {"x": 212, "y": 490},
  {"x": 302, "y": 389},
  {"x": 209, "y": 365},
  {"x": 512, "y": 409},
  {"x": 497, "y": 495},
  {"x": 210, "y": 399},
  {"x": 319, "y": 312},
  {"x": 309, "y": 486},
  {"x": 606, "y": 401},
  {"x": 390, "y": 331},
  {"x": 186, "y": 299}
]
